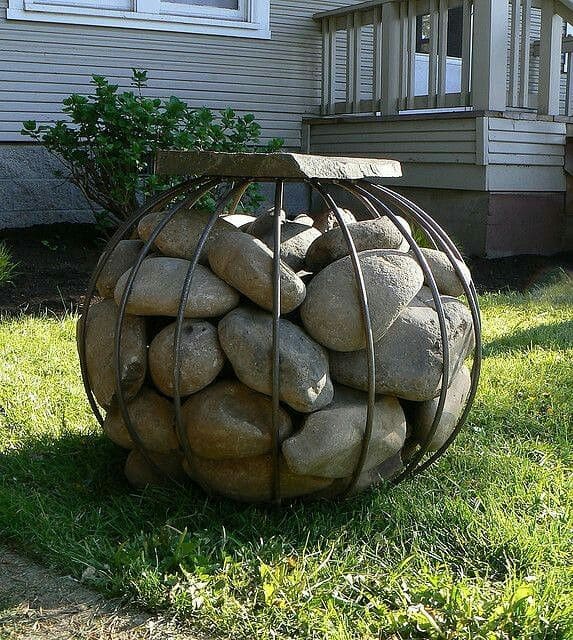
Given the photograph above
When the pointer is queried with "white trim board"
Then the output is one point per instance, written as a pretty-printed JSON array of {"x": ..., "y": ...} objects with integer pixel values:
[{"x": 250, "y": 20}]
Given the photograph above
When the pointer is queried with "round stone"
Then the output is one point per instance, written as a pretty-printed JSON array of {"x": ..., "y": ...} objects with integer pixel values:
[
  {"x": 246, "y": 263},
  {"x": 101, "y": 322},
  {"x": 409, "y": 358},
  {"x": 153, "y": 419},
  {"x": 246, "y": 336},
  {"x": 330, "y": 441},
  {"x": 201, "y": 357},
  {"x": 331, "y": 312},
  {"x": 380, "y": 233},
  {"x": 159, "y": 283},
  {"x": 180, "y": 236},
  {"x": 140, "y": 473},
  {"x": 447, "y": 280},
  {"x": 296, "y": 238},
  {"x": 121, "y": 259},
  {"x": 229, "y": 420}
]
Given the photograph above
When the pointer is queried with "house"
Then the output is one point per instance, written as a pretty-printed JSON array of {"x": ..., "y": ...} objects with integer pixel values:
[{"x": 472, "y": 96}]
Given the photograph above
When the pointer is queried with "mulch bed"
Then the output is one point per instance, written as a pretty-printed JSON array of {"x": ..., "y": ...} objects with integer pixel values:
[{"x": 55, "y": 263}]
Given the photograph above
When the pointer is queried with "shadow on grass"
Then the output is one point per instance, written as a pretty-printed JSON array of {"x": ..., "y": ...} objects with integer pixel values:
[
  {"x": 555, "y": 336},
  {"x": 69, "y": 496}
]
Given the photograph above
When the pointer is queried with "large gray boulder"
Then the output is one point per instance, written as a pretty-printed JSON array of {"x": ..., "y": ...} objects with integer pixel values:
[
  {"x": 121, "y": 259},
  {"x": 332, "y": 313},
  {"x": 158, "y": 285},
  {"x": 201, "y": 357},
  {"x": 422, "y": 414},
  {"x": 153, "y": 418},
  {"x": 330, "y": 441},
  {"x": 246, "y": 263},
  {"x": 180, "y": 237},
  {"x": 447, "y": 280},
  {"x": 229, "y": 420},
  {"x": 379, "y": 233},
  {"x": 246, "y": 336},
  {"x": 100, "y": 352},
  {"x": 250, "y": 479},
  {"x": 409, "y": 357}
]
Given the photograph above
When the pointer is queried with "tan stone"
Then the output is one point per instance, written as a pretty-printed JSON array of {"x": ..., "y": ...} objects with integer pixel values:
[
  {"x": 153, "y": 418},
  {"x": 379, "y": 233},
  {"x": 332, "y": 312},
  {"x": 250, "y": 479},
  {"x": 229, "y": 420},
  {"x": 296, "y": 238},
  {"x": 180, "y": 237},
  {"x": 246, "y": 336},
  {"x": 201, "y": 357},
  {"x": 422, "y": 416},
  {"x": 409, "y": 357},
  {"x": 326, "y": 220},
  {"x": 159, "y": 283},
  {"x": 122, "y": 258},
  {"x": 100, "y": 352},
  {"x": 246, "y": 263},
  {"x": 330, "y": 441},
  {"x": 446, "y": 278}
]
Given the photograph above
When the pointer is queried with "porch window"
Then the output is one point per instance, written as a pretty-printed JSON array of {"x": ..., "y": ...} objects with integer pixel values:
[{"x": 243, "y": 18}]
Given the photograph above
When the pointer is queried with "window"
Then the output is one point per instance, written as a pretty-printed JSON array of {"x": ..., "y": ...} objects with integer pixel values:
[
  {"x": 244, "y": 18},
  {"x": 454, "y": 37}
]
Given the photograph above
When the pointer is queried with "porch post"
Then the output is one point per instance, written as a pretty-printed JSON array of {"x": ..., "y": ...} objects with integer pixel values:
[
  {"x": 549, "y": 60},
  {"x": 489, "y": 65},
  {"x": 390, "y": 58}
]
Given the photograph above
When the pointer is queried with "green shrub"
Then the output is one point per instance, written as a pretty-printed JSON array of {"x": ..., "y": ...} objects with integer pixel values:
[
  {"x": 108, "y": 143},
  {"x": 7, "y": 265}
]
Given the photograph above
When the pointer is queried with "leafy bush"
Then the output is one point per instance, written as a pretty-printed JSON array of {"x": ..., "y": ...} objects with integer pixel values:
[
  {"x": 108, "y": 144},
  {"x": 7, "y": 265}
]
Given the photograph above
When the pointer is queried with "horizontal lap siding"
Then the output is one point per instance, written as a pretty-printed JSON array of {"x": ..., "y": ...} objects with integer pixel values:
[
  {"x": 277, "y": 79},
  {"x": 525, "y": 142},
  {"x": 422, "y": 141}
]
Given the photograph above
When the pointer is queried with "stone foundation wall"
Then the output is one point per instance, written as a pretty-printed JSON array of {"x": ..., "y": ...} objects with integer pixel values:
[{"x": 30, "y": 194}]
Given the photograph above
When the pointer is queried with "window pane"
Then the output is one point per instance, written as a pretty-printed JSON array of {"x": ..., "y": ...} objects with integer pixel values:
[{"x": 220, "y": 4}]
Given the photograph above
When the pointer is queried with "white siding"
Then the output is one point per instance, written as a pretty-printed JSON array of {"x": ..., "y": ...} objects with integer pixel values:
[{"x": 277, "y": 79}]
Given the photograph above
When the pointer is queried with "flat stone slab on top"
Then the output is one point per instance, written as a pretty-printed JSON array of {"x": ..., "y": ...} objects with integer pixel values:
[{"x": 289, "y": 166}]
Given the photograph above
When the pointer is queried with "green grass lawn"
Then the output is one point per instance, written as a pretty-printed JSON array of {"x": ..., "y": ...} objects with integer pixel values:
[{"x": 480, "y": 546}]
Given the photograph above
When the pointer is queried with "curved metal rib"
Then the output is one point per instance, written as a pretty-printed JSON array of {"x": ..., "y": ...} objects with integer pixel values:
[
  {"x": 367, "y": 320},
  {"x": 185, "y": 292},
  {"x": 412, "y": 210},
  {"x": 120, "y": 397},
  {"x": 152, "y": 206},
  {"x": 275, "y": 436},
  {"x": 365, "y": 197}
]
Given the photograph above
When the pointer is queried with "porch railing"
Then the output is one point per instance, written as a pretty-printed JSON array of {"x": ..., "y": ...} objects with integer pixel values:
[{"x": 371, "y": 63}]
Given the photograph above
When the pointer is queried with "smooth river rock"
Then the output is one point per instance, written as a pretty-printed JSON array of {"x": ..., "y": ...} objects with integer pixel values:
[
  {"x": 153, "y": 419},
  {"x": 158, "y": 285},
  {"x": 331, "y": 312},
  {"x": 121, "y": 259},
  {"x": 380, "y": 233},
  {"x": 250, "y": 479},
  {"x": 326, "y": 220},
  {"x": 446, "y": 278},
  {"x": 180, "y": 237},
  {"x": 100, "y": 349},
  {"x": 229, "y": 420},
  {"x": 409, "y": 356},
  {"x": 239, "y": 220},
  {"x": 246, "y": 336},
  {"x": 201, "y": 357},
  {"x": 140, "y": 473},
  {"x": 422, "y": 414},
  {"x": 246, "y": 263},
  {"x": 330, "y": 441},
  {"x": 296, "y": 238}
]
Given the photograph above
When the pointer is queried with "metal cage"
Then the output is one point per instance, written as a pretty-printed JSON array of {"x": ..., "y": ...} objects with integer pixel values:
[{"x": 378, "y": 201}]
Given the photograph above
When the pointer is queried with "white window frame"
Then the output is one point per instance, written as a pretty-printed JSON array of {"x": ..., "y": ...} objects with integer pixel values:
[{"x": 250, "y": 20}]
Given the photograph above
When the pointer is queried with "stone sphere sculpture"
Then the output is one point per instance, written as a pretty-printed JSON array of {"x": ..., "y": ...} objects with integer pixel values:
[{"x": 271, "y": 357}]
